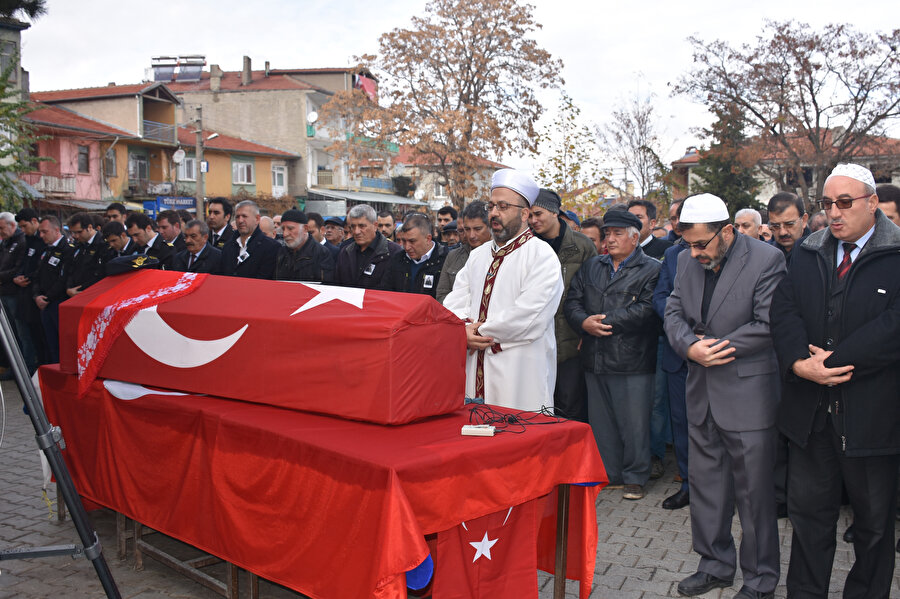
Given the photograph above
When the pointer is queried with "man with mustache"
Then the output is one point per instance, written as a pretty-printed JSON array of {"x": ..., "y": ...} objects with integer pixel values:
[
  {"x": 787, "y": 221},
  {"x": 717, "y": 319},
  {"x": 508, "y": 293}
]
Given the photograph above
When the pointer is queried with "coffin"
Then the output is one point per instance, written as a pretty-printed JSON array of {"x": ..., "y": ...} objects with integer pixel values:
[{"x": 376, "y": 356}]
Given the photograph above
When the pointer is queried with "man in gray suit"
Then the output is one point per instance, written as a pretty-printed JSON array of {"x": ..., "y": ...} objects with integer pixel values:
[{"x": 717, "y": 318}]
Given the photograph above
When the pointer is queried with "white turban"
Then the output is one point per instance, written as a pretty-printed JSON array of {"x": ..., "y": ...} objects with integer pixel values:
[
  {"x": 704, "y": 208},
  {"x": 518, "y": 181},
  {"x": 854, "y": 171}
]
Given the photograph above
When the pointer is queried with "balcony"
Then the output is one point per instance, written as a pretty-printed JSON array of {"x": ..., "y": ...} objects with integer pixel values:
[
  {"x": 55, "y": 185},
  {"x": 325, "y": 178},
  {"x": 159, "y": 131},
  {"x": 147, "y": 188}
]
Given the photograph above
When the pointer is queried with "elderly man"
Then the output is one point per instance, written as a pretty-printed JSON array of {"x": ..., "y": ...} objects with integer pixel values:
[
  {"x": 610, "y": 302},
  {"x": 149, "y": 242},
  {"x": 267, "y": 227},
  {"x": 417, "y": 269},
  {"x": 363, "y": 261},
  {"x": 334, "y": 232},
  {"x": 573, "y": 249},
  {"x": 507, "y": 293},
  {"x": 250, "y": 254},
  {"x": 301, "y": 258},
  {"x": 717, "y": 318},
  {"x": 12, "y": 256},
  {"x": 198, "y": 255},
  {"x": 218, "y": 218},
  {"x": 787, "y": 221},
  {"x": 450, "y": 235},
  {"x": 836, "y": 323},
  {"x": 476, "y": 231},
  {"x": 747, "y": 221}
]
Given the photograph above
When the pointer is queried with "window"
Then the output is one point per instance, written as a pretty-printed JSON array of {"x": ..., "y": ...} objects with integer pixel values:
[
  {"x": 440, "y": 190},
  {"x": 138, "y": 167},
  {"x": 242, "y": 173},
  {"x": 84, "y": 159},
  {"x": 8, "y": 51},
  {"x": 187, "y": 170},
  {"x": 109, "y": 163}
]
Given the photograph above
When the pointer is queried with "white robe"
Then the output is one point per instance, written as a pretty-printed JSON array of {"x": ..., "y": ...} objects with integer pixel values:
[{"x": 526, "y": 294}]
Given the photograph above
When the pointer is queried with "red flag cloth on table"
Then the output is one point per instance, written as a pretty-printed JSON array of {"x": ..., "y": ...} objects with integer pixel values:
[
  {"x": 492, "y": 556},
  {"x": 104, "y": 319},
  {"x": 582, "y": 539}
]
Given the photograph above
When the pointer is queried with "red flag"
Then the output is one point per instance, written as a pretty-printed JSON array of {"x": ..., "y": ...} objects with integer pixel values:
[
  {"x": 493, "y": 556},
  {"x": 581, "y": 549}
]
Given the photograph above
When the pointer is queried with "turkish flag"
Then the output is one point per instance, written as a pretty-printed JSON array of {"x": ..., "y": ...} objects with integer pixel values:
[
  {"x": 492, "y": 556},
  {"x": 581, "y": 549}
]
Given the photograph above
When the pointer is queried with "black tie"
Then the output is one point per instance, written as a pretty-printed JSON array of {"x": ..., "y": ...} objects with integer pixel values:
[
  {"x": 191, "y": 261},
  {"x": 215, "y": 238}
]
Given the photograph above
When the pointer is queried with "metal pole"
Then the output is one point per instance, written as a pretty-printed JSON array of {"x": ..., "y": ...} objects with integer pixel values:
[
  {"x": 201, "y": 176},
  {"x": 49, "y": 440}
]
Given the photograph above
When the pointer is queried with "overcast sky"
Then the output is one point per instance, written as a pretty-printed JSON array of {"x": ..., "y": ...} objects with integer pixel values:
[{"x": 611, "y": 50}]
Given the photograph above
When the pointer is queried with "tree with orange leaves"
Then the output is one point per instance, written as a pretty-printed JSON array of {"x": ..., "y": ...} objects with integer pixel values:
[{"x": 457, "y": 86}]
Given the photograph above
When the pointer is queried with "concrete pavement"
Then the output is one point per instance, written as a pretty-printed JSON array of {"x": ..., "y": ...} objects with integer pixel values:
[{"x": 643, "y": 550}]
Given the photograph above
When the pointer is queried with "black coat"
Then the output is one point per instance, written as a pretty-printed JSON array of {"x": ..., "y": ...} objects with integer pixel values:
[
  {"x": 397, "y": 275},
  {"x": 50, "y": 279},
  {"x": 88, "y": 263},
  {"x": 220, "y": 243},
  {"x": 209, "y": 261},
  {"x": 626, "y": 300},
  {"x": 670, "y": 361},
  {"x": 364, "y": 269},
  {"x": 12, "y": 255},
  {"x": 162, "y": 251},
  {"x": 868, "y": 338},
  {"x": 656, "y": 247},
  {"x": 260, "y": 261},
  {"x": 311, "y": 262}
]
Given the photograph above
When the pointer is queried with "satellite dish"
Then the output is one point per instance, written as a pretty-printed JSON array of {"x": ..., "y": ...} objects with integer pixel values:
[
  {"x": 312, "y": 117},
  {"x": 178, "y": 156},
  {"x": 420, "y": 193}
]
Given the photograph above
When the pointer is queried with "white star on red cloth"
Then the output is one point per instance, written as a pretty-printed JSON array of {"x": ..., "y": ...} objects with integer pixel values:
[
  {"x": 328, "y": 293},
  {"x": 483, "y": 547}
]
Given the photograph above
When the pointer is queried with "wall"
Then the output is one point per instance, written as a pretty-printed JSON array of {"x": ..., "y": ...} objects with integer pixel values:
[{"x": 121, "y": 112}]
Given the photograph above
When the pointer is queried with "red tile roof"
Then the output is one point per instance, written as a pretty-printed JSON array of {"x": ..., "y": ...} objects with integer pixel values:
[
  {"x": 56, "y": 117},
  {"x": 226, "y": 143},
  {"x": 107, "y": 91},
  {"x": 231, "y": 81}
]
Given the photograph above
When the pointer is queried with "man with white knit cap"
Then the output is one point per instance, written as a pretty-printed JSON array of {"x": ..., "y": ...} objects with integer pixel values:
[
  {"x": 508, "y": 293},
  {"x": 836, "y": 324},
  {"x": 717, "y": 319}
]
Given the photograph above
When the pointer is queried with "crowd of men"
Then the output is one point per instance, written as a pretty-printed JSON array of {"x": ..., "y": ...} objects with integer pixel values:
[{"x": 765, "y": 354}]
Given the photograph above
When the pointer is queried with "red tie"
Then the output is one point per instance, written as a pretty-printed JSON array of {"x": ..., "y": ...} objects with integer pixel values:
[{"x": 844, "y": 266}]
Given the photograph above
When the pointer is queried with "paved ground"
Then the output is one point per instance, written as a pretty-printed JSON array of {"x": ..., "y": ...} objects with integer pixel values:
[{"x": 643, "y": 550}]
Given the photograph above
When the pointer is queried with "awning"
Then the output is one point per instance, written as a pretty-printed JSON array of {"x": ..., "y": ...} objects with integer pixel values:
[
  {"x": 22, "y": 189},
  {"x": 361, "y": 196},
  {"x": 72, "y": 203}
]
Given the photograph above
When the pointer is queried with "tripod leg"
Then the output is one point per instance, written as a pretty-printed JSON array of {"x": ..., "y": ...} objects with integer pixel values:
[{"x": 48, "y": 440}]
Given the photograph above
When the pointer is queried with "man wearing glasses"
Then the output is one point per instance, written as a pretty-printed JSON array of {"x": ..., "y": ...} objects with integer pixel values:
[
  {"x": 717, "y": 318},
  {"x": 508, "y": 293},
  {"x": 787, "y": 221},
  {"x": 836, "y": 325}
]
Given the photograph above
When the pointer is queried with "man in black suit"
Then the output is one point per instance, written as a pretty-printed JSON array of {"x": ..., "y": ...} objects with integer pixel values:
[
  {"x": 218, "y": 217},
  {"x": 198, "y": 255},
  {"x": 250, "y": 254},
  {"x": 646, "y": 212},
  {"x": 90, "y": 252},
  {"x": 169, "y": 224},
  {"x": 118, "y": 241},
  {"x": 149, "y": 242}
]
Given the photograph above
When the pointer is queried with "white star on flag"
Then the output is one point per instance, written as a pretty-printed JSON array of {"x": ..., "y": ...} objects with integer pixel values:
[
  {"x": 483, "y": 547},
  {"x": 328, "y": 293}
]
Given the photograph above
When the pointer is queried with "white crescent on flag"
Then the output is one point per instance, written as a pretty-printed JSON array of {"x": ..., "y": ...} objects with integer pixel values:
[{"x": 166, "y": 345}]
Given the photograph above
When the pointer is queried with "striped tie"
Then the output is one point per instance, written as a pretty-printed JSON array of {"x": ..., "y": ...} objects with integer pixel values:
[{"x": 844, "y": 266}]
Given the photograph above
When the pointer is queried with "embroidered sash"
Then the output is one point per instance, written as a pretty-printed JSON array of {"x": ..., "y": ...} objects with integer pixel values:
[{"x": 486, "y": 293}]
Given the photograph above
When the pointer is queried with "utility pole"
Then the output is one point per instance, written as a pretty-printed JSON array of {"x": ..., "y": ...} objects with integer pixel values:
[{"x": 201, "y": 176}]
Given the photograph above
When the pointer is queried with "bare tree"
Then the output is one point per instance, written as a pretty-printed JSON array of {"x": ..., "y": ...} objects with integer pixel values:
[
  {"x": 811, "y": 99},
  {"x": 569, "y": 150},
  {"x": 457, "y": 86},
  {"x": 632, "y": 139}
]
